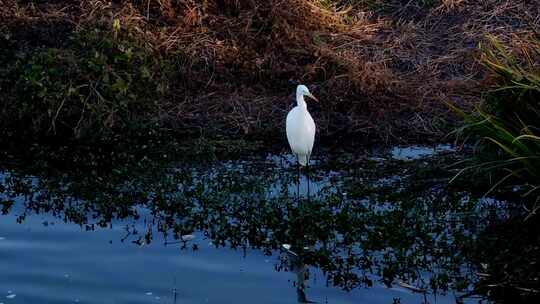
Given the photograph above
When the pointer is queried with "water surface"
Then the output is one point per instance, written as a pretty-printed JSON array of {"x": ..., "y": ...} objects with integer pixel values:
[{"x": 116, "y": 236}]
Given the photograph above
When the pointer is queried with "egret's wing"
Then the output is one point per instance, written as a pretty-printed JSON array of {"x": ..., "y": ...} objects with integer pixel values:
[
  {"x": 289, "y": 127},
  {"x": 300, "y": 129},
  {"x": 310, "y": 133}
]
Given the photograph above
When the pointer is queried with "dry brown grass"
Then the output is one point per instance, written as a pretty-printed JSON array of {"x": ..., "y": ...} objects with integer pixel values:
[{"x": 379, "y": 75}]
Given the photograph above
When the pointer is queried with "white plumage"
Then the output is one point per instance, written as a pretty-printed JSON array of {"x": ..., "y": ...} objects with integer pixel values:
[{"x": 301, "y": 127}]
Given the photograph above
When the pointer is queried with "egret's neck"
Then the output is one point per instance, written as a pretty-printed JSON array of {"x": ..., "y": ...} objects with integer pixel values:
[{"x": 300, "y": 101}]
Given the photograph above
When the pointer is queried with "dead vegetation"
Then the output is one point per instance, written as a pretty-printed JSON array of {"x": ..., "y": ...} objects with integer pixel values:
[{"x": 382, "y": 69}]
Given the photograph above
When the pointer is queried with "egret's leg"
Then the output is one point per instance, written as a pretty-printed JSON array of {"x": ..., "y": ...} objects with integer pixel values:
[
  {"x": 307, "y": 175},
  {"x": 298, "y": 180}
]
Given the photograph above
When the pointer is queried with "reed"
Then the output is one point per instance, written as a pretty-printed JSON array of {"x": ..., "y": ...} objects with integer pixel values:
[{"x": 506, "y": 125}]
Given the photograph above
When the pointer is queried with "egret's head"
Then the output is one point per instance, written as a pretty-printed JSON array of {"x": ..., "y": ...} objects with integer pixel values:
[{"x": 302, "y": 90}]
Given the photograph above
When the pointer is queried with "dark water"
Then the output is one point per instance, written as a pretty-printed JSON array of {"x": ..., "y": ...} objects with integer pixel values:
[
  {"x": 59, "y": 263},
  {"x": 116, "y": 236}
]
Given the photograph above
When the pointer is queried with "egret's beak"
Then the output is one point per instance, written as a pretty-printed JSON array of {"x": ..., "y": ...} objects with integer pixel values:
[{"x": 312, "y": 97}]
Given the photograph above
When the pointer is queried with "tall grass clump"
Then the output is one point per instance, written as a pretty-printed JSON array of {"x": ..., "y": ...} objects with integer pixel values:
[
  {"x": 506, "y": 124},
  {"x": 505, "y": 130}
]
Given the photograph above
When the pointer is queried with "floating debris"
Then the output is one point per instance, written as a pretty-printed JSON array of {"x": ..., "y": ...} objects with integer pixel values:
[
  {"x": 187, "y": 237},
  {"x": 411, "y": 287}
]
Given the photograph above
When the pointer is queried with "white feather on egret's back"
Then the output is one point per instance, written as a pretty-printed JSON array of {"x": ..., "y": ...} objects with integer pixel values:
[{"x": 300, "y": 127}]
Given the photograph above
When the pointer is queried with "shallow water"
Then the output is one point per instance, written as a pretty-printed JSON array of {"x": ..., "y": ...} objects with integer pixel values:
[
  {"x": 49, "y": 254},
  {"x": 419, "y": 152},
  {"x": 60, "y": 263}
]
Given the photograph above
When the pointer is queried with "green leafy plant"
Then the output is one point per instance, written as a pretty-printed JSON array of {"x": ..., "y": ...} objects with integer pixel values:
[
  {"x": 102, "y": 83},
  {"x": 507, "y": 122}
]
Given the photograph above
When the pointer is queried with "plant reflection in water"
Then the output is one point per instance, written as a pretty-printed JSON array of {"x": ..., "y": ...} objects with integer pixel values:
[{"x": 360, "y": 227}]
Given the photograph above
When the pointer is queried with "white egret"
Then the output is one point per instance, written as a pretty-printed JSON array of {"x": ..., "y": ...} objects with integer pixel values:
[{"x": 300, "y": 129}]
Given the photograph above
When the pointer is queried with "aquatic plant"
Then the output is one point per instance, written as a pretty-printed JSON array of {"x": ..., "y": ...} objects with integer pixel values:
[{"x": 352, "y": 228}]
